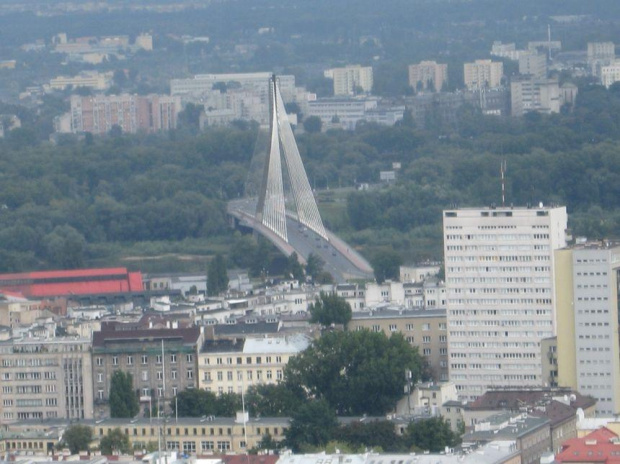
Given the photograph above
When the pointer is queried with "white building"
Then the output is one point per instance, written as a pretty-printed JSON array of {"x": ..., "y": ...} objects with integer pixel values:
[
  {"x": 483, "y": 74},
  {"x": 351, "y": 79},
  {"x": 259, "y": 81},
  {"x": 610, "y": 73},
  {"x": 588, "y": 343},
  {"x": 535, "y": 94},
  {"x": 499, "y": 286},
  {"x": 533, "y": 64},
  {"x": 93, "y": 80},
  {"x": 428, "y": 75}
]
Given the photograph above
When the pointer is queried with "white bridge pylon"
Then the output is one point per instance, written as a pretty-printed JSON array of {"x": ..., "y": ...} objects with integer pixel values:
[{"x": 271, "y": 209}]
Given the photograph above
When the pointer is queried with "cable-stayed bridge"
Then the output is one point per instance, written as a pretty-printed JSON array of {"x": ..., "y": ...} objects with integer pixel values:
[{"x": 284, "y": 209}]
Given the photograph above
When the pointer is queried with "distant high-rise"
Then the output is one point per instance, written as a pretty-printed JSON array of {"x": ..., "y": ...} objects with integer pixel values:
[
  {"x": 528, "y": 93},
  {"x": 483, "y": 74},
  {"x": 499, "y": 286},
  {"x": 428, "y": 75},
  {"x": 533, "y": 64},
  {"x": 351, "y": 80},
  {"x": 586, "y": 286}
]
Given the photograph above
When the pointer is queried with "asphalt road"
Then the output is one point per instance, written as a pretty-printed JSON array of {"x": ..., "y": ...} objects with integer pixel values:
[{"x": 340, "y": 261}]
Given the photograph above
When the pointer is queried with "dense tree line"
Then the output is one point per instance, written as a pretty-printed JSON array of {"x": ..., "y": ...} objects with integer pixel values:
[{"x": 67, "y": 205}]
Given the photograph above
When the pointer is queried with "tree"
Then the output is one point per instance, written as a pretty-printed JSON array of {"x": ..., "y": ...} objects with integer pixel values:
[
  {"x": 77, "y": 438},
  {"x": 330, "y": 309},
  {"x": 386, "y": 265},
  {"x": 278, "y": 400},
  {"x": 293, "y": 268},
  {"x": 313, "y": 124},
  {"x": 217, "y": 276},
  {"x": 123, "y": 398},
  {"x": 359, "y": 372},
  {"x": 373, "y": 434},
  {"x": 314, "y": 265},
  {"x": 313, "y": 424},
  {"x": 194, "y": 402},
  {"x": 115, "y": 442},
  {"x": 431, "y": 435}
]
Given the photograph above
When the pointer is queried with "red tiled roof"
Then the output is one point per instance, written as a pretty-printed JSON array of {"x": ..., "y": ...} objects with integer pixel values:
[{"x": 600, "y": 446}]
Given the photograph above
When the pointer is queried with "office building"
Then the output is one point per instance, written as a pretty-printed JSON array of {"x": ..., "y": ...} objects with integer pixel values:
[
  {"x": 601, "y": 51},
  {"x": 232, "y": 366},
  {"x": 351, "y": 80},
  {"x": 587, "y": 314},
  {"x": 528, "y": 93},
  {"x": 428, "y": 75},
  {"x": 90, "y": 79},
  {"x": 46, "y": 379},
  {"x": 483, "y": 74},
  {"x": 499, "y": 266}
]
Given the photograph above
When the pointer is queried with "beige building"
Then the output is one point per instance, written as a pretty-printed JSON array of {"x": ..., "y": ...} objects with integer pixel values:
[
  {"x": 483, "y": 74},
  {"x": 233, "y": 365},
  {"x": 425, "y": 329},
  {"x": 428, "y": 75},
  {"x": 208, "y": 435},
  {"x": 587, "y": 320},
  {"x": 351, "y": 80},
  {"x": 93, "y": 80},
  {"x": 132, "y": 113},
  {"x": 610, "y": 73},
  {"x": 46, "y": 379}
]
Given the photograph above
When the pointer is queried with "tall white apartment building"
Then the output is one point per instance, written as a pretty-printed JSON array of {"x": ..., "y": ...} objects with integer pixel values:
[
  {"x": 587, "y": 312},
  {"x": 350, "y": 79},
  {"x": 499, "y": 292}
]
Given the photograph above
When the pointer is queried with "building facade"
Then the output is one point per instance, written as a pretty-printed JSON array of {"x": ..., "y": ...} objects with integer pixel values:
[
  {"x": 587, "y": 306},
  {"x": 428, "y": 75},
  {"x": 162, "y": 362},
  {"x": 232, "y": 366},
  {"x": 483, "y": 74},
  {"x": 528, "y": 93},
  {"x": 533, "y": 64},
  {"x": 499, "y": 282},
  {"x": 351, "y": 80},
  {"x": 424, "y": 329},
  {"x": 46, "y": 379},
  {"x": 132, "y": 113}
]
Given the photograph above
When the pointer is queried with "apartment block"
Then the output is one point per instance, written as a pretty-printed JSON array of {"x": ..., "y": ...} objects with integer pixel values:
[
  {"x": 483, "y": 74},
  {"x": 428, "y": 75},
  {"x": 500, "y": 301},
  {"x": 351, "y": 80},
  {"x": 93, "y": 80},
  {"x": 132, "y": 113},
  {"x": 528, "y": 94},
  {"x": 533, "y": 64},
  {"x": 46, "y": 379},
  {"x": 587, "y": 310},
  {"x": 425, "y": 329},
  {"x": 233, "y": 365},
  {"x": 601, "y": 51},
  {"x": 162, "y": 362}
]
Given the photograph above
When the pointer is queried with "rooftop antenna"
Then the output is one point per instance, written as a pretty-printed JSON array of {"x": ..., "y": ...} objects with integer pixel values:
[
  {"x": 502, "y": 170},
  {"x": 549, "y": 41}
]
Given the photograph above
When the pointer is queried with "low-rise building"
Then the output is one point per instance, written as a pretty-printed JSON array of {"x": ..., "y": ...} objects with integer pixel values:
[
  {"x": 93, "y": 80},
  {"x": 232, "y": 366}
]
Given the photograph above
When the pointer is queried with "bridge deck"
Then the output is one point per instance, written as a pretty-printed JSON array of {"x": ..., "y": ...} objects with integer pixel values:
[{"x": 341, "y": 261}]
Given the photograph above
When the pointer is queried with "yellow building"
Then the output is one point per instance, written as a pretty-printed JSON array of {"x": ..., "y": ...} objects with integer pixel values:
[{"x": 586, "y": 283}]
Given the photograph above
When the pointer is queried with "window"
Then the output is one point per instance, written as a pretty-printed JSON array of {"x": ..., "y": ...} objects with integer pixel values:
[
  {"x": 174, "y": 375},
  {"x": 207, "y": 445},
  {"x": 249, "y": 375},
  {"x": 145, "y": 376},
  {"x": 258, "y": 360},
  {"x": 189, "y": 446},
  {"x": 259, "y": 375},
  {"x": 145, "y": 359},
  {"x": 190, "y": 374},
  {"x": 190, "y": 358},
  {"x": 160, "y": 375},
  {"x": 426, "y": 351},
  {"x": 268, "y": 375},
  {"x": 279, "y": 374},
  {"x": 426, "y": 326},
  {"x": 426, "y": 339},
  {"x": 220, "y": 375},
  {"x": 278, "y": 359},
  {"x": 146, "y": 392},
  {"x": 99, "y": 361},
  {"x": 115, "y": 360},
  {"x": 223, "y": 445},
  {"x": 99, "y": 377},
  {"x": 158, "y": 359},
  {"x": 100, "y": 394},
  {"x": 129, "y": 360},
  {"x": 174, "y": 391},
  {"x": 392, "y": 327},
  {"x": 173, "y": 358}
]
